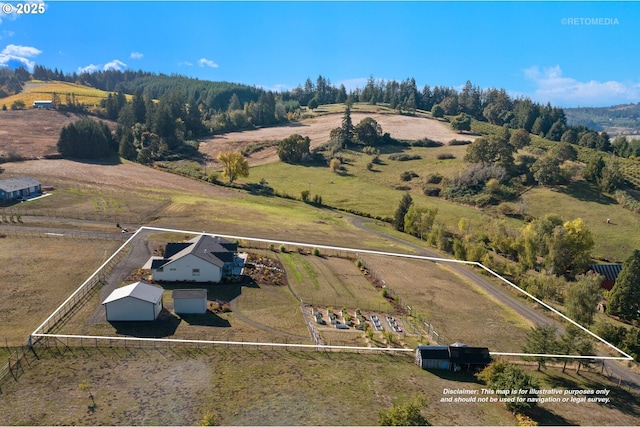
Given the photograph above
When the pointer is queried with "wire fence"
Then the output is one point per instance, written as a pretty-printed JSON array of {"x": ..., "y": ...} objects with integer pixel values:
[{"x": 69, "y": 234}]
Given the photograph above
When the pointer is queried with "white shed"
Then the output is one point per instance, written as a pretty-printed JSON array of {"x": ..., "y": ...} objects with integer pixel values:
[
  {"x": 190, "y": 301},
  {"x": 138, "y": 301}
]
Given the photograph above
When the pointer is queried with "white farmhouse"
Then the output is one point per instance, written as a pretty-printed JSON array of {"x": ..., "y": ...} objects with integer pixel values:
[
  {"x": 138, "y": 301},
  {"x": 204, "y": 259}
]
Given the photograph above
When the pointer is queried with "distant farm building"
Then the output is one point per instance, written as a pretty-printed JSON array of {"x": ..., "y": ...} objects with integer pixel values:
[
  {"x": 190, "y": 301},
  {"x": 202, "y": 259},
  {"x": 609, "y": 272},
  {"x": 19, "y": 188},
  {"x": 135, "y": 302},
  {"x": 46, "y": 105},
  {"x": 455, "y": 357}
]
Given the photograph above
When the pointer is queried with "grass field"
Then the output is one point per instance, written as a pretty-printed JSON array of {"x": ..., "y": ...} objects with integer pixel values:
[
  {"x": 146, "y": 386},
  {"x": 38, "y": 276},
  {"x": 43, "y": 91}
]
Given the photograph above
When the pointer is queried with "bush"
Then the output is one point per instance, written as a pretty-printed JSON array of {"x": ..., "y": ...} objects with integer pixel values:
[
  {"x": 335, "y": 165},
  {"x": 426, "y": 142},
  {"x": 459, "y": 142},
  {"x": 402, "y": 187},
  {"x": 446, "y": 156},
  {"x": 316, "y": 251},
  {"x": 404, "y": 157},
  {"x": 431, "y": 190},
  {"x": 434, "y": 178},
  {"x": 283, "y": 248},
  {"x": 408, "y": 175}
]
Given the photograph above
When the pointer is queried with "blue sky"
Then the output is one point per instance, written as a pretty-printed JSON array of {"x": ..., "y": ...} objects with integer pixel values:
[{"x": 567, "y": 53}]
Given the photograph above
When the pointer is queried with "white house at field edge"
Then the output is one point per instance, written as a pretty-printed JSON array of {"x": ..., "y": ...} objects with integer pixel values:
[
  {"x": 17, "y": 188},
  {"x": 204, "y": 259},
  {"x": 135, "y": 302}
]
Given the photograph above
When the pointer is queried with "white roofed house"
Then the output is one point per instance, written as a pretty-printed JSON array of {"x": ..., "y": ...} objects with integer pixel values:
[
  {"x": 18, "y": 188},
  {"x": 135, "y": 302},
  {"x": 202, "y": 259}
]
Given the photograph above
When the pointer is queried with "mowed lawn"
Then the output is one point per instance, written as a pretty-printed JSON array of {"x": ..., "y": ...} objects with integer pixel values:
[
  {"x": 331, "y": 281},
  {"x": 457, "y": 310},
  {"x": 38, "y": 274}
]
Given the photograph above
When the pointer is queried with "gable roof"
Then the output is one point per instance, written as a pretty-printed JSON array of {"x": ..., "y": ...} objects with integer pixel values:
[
  {"x": 609, "y": 271},
  {"x": 214, "y": 250},
  {"x": 14, "y": 184},
  {"x": 139, "y": 290}
]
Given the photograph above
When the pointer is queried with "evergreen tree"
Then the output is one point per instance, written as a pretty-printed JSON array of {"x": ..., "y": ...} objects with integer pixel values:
[
  {"x": 624, "y": 299},
  {"x": 401, "y": 211},
  {"x": 347, "y": 125},
  {"x": 541, "y": 340},
  {"x": 583, "y": 297}
]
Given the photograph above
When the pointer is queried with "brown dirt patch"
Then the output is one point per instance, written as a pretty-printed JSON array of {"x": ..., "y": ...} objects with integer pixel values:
[
  {"x": 32, "y": 133},
  {"x": 318, "y": 129}
]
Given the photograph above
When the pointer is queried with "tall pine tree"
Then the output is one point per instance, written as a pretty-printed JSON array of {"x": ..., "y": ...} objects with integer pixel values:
[{"x": 624, "y": 300}]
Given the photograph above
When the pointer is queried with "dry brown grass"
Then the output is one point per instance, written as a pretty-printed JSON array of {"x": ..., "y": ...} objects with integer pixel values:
[
  {"x": 38, "y": 274},
  {"x": 456, "y": 309}
]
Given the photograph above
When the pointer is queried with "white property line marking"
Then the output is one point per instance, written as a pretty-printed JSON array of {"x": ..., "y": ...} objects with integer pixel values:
[
  {"x": 241, "y": 343},
  {"x": 367, "y": 251},
  {"x": 85, "y": 282},
  {"x": 54, "y": 234}
]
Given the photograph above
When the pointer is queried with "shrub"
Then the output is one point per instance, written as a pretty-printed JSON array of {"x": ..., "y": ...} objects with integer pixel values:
[
  {"x": 304, "y": 195},
  {"x": 426, "y": 142},
  {"x": 402, "y": 187},
  {"x": 431, "y": 190},
  {"x": 283, "y": 248},
  {"x": 359, "y": 264},
  {"x": 335, "y": 165},
  {"x": 370, "y": 166},
  {"x": 316, "y": 251},
  {"x": 434, "y": 178},
  {"x": 408, "y": 175},
  {"x": 459, "y": 142},
  {"x": 404, "y": 157},
  {"x": 446, "y": 156}
]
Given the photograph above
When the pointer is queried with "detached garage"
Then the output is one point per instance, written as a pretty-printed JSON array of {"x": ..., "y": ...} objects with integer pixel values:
[
  {"x": 190, "y": 301},
  {"x": 135, "y": 302}
]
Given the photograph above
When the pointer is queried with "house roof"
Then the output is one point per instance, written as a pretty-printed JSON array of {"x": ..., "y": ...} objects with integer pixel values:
[
  {"x": 14, "y": 184},
  {"x": 139, "y": 290},
  {"x": 434, "y": 352},
  {"x": 189, "y": 293},
  {"x": 609, "y": 271},
  {"x": 472, "y": 355},
  {"x": 214, "y": 250}
]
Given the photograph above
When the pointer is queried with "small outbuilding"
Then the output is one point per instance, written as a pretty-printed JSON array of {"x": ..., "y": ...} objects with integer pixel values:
[
  {"x": 433, "y": 357},
  {"x": 190, "y": 301},
  {"x": 609, "y": 272},
  {"x": 454, "y": 357},
  {"x": 135, "y": 302}
]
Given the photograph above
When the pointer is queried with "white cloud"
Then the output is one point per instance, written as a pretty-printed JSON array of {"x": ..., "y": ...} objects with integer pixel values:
[
  {"x": 13, "y": 54},
  {"x": 89, "y": 69},
  {"x": 6, "y": 34},
  {"x": 116, "y": 64},
  {"x": 553, "y": 87},
  {"x": 137, "y": 55},
  {"x": 185, "y": 63},
  {"x": 209, "y": 63},
  {"x": 278, "y": 87}
]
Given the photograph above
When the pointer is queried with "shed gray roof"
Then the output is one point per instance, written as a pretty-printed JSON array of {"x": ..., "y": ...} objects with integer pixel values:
[
  {"x": 139, "y": 290},
  {"x": 15, "y": 184},
  {"x": 189, "y": 293}
]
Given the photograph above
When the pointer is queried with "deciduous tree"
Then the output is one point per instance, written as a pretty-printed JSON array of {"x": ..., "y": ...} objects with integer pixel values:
[
  {"x": 404, "y": 414},
  {"x": 294, "y": 148},
  {"x": 233, "y": 165}
]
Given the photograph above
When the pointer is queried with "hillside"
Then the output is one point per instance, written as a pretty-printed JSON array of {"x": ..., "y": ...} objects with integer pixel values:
[
  {"x": 617, "y": 119},
  {"x": 318, "y": 129},
  {"x": 43, "y": 91},
  {"x": 31, "y": 133}
]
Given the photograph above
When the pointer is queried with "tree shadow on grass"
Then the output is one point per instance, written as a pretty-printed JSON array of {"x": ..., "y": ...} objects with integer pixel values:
[
  {"x": 585, "y": 191},
  {"x": 165, "y": 325},
  {"x": 462, "y": 377},
  {"x": 544, "y": 417}
]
